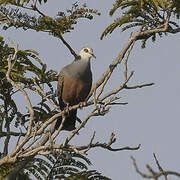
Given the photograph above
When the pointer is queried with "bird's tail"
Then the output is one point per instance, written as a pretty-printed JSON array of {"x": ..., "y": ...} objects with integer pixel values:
[{"x": 70, "y": 121}]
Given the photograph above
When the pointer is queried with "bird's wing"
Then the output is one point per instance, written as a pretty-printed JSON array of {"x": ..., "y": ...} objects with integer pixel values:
[
  {"x": 70, "y": 121},
  {"x": 60, "y": 89}
]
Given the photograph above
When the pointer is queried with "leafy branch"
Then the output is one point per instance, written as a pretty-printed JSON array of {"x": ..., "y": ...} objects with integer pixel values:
[
  {"x": 147, "y": 14},
  {"x": 63, "y": 22}
]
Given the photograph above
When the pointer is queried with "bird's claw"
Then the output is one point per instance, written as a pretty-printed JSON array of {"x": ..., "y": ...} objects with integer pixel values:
[{"x": 82, "y": 104}]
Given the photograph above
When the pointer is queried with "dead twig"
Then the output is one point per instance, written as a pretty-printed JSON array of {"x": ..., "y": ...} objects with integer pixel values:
[
  {"x": 153, "y": 174},
  {"x": 138, "y": 86},
  {"x": 107, "y": 146},
  {"x": 126, "y": 60}
]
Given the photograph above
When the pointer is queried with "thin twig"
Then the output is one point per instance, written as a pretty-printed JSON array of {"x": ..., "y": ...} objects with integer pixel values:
[
  {"x": 30, "y": 109},
  {"x": 90, "y": 143},
  {"x": 72, "y": 134},
  {"x": 115, "y": 91},
  {"x": 60, "y": 127},
  {"x": 159, "y": 166},
  {"x": 153, "y": 175},
  {"x": 126, "y": 60},
  {"x": 107, "y": 146},
  {"x": 42, "y": 93},
  {"x": 11, "y": 133},
  {"x": 138, "y": 86}
]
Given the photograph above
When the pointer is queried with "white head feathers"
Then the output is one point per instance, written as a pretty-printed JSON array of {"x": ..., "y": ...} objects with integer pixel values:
[{"x": 86, "y": 53}]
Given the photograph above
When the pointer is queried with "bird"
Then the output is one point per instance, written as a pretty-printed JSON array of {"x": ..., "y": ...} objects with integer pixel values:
[{"x": 74, "y": 85}]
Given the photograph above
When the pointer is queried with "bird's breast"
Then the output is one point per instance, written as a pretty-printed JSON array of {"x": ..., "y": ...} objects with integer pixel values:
[{"x": 76, "y": 90}]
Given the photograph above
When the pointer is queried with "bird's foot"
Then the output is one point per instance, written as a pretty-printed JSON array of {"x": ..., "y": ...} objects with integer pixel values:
[
  {"x": 82, "y": 104},
  {"x": 67, "y": 108}
]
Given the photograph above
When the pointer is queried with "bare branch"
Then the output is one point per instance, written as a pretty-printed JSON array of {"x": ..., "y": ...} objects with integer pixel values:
[
  {"x": 113, "y": 65},
  {"x": 11, "y": 133},
  {"x": 115, "y": 91},
  {"x": 107, "y": 146},
  {"x": 102, "y": 86},
  {"x": 60, "y": 127},
  {"x": 154, "y": 175},
  {"x": 69, "y": 47},
  {"x": 104, "y": 146},
  {"x": 173, "y": 31},
  {"x": 6, "y": 144},
  {"x": 42, "y": 93},
  {"x": 136, "y": 36},
  {"x": 159, "y": 167},
  {"x": 30, "y": 109},
  {"x": 34, "y": 7},
  {"x": 138, "y": 86},
  {"x": 138, "y": 171},
  {"x": 72, "y": 134},
  {"x": 90, "y": 143},
  {"x": 126, "y": 60},
  {"x": 7, "y": 125}
]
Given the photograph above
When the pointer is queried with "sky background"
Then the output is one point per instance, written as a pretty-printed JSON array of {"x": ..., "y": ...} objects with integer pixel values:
[{"x": 151, "y": 117}]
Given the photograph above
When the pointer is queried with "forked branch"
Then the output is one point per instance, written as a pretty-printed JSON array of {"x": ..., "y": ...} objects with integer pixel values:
[{"x": 152, "y": 174}]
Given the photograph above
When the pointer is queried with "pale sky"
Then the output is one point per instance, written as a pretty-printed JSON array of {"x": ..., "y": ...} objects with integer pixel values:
[{"x": 151, "y": 117}]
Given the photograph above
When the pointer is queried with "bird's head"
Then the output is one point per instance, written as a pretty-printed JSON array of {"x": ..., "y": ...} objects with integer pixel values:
[{"x": 86, "y": 53}]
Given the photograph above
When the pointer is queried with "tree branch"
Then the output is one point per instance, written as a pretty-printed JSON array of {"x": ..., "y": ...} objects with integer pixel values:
[
  {"x": 154, "y": 175},
  {"x": 136, "y": 36},
  {"x": 138, "y": 86},
  {"x": 69, "y": 47},
  {"x": 11, "y": 133},
  {"x": 107, "y": 146}
]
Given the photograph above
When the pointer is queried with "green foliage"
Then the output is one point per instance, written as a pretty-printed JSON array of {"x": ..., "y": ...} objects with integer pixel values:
[
  {"x": 13, "y": 2},
  {"x": 40, "y": 1},
  {"x": 6, "y": 168},
  {"x": 13, "y": 13},
  {"x": 27, "y": 66},
  {"x": 42, "y": 111},
  {"x": 88, "y": 175},
  {"x": 148, "y": 14},
  {"x": 19, "y": 2},
  {"x": 66, "y": 165},
  {"x": 62, "y": 23}
]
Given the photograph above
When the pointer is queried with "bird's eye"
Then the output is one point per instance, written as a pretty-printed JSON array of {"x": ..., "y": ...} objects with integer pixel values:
[{"x": 85, "y": 50}]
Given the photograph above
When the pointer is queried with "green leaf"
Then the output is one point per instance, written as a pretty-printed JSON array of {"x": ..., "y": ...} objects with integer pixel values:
[{"x": 149, "y": 14}]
